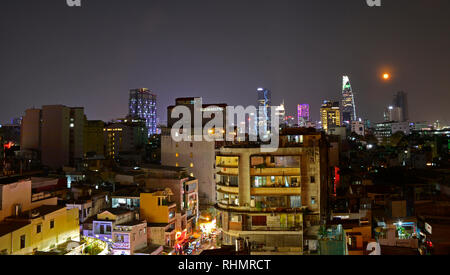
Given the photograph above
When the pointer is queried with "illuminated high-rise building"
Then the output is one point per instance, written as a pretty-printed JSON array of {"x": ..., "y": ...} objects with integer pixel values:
[
  {"x": 264, "y": 103},
  {"x": 330, "y": 114},
  {"x": 281, "y": 113},
  {"x": 142, "y": 104},
  {"x": 303, "y": 114},
  {"x": 348, "y": 101}
]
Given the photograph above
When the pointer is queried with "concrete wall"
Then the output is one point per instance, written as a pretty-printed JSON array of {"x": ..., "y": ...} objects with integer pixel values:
[{"x": 201, "y": 154}]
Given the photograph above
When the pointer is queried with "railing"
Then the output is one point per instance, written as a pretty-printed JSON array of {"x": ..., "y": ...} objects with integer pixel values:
[
  {"x": 270, "y": 228},
  {"x": 278, "y": 185},
  {"x": 228, "y": 184},
  {"x": 259, "y": 210},
  {"x": 124, "y": 245}
]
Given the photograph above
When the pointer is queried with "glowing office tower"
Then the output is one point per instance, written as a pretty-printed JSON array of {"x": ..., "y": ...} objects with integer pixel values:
[
  {"x": 303, "y": 114},
  {"x": 142, "y": 105},
  {"x": 264, "y": 103},
  {"x": 348, "y": 102},
  {"x": 330, "y": 114}
]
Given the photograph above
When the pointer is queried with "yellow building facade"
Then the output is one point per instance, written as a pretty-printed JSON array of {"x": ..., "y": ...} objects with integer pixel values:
[
  {"x": 40, "y": 229},
  {"x": 157, "y": 208}
]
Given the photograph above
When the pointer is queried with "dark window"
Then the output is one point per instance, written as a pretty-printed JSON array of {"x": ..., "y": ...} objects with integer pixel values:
[
  {"x": 313, "y": 179},
  {"x": 52, "y": 224},
  {"x": 38, "y": 228},
  {"x": 22, "y": 242},
  {"x": 259, "y": 220}
]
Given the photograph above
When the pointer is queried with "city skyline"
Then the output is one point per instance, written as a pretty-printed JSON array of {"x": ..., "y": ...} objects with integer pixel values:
[{"x": 170, "y": 50}]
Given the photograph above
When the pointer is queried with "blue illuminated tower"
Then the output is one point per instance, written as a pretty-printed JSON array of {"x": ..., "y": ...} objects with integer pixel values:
[
  {"x": 264, "y": 103},
  {"x": 142, "y": 104}
]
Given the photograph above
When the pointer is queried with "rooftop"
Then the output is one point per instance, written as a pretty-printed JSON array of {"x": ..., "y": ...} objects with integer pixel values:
[
  {"x": 11, "y": 226},
  {"x": 132, "y": 223},
  {"x": 38, "y": 212}
]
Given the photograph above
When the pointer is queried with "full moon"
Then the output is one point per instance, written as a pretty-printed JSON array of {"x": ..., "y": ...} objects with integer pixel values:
[{"x": 386, "y": 76}]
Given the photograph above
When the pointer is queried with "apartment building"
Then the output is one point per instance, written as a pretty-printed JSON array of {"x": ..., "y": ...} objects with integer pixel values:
[{"x": 276, "y": 200}]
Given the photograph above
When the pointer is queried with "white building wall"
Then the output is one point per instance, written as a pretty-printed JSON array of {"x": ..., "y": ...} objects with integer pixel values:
[{"x": 200, "y": 155}]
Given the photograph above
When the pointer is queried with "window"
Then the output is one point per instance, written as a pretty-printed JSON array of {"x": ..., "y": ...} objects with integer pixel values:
[
  {"x": 177, "y": 155},
  {"x": 38, "y": 228},
  {"x": 192, "y": 145},
  {"x": 192, "y": 155},
  {"x": 313, "y": 200},
  {"x": 52, "y": 224},
  {"x": 313, "y": 179},
  {"x": 22, "y": 242},
  {"x": 192, "y": 164},
  {"x": 259, "y": 220}
]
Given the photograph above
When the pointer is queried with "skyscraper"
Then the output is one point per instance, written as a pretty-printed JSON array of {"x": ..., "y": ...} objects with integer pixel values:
[
  {"x": 142, "y": 104},
  {"x": 348, "y": 101},
  {"x": 401, "y": 101},
  {"x": 281, "y": 113},
  {"x": 264, "y": 103},
  {"x": 303, "y": 114},
  {"x": 330, "y": 114}
]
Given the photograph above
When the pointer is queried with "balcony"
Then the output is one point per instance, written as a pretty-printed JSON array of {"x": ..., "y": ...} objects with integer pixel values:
[
  {"x": 228, "y": 172},
  {"x": 272, "y": 171},
  {"x": 240, "y": 209},
  {"x": 288, "y": 191},
  {"x": 238, "y": 226},
  {"x": 227, "y": 165},
  {"x": 228, "y": 189},
  {"x": 227, "y": 184}
]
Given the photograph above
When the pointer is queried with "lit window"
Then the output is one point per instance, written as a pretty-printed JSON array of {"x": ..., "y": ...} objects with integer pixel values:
[
  {"x": 72, "y": 125},
  {"x": 177, "y": 155},
  {"x": 176, "y": 164},
  {"x": 192, "y": 164},
  {"x": 192, "y": 175}
]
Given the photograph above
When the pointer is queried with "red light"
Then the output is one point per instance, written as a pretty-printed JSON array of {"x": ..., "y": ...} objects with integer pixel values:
[{"x": 8, "y": 145}]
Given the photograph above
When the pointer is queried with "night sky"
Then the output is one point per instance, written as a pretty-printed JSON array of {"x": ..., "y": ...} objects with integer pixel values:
[{"x": 223, "y": 50}]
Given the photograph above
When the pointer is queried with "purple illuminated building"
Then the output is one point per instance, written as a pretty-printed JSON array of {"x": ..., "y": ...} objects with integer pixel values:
[{"x": 303, "y": 114}]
